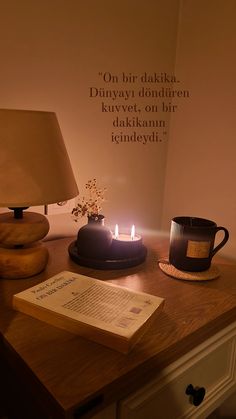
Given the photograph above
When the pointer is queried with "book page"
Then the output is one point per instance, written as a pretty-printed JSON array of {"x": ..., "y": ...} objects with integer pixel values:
[{"x": 107, "y": 302}]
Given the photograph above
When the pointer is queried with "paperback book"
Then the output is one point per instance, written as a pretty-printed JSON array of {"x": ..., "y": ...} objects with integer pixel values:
[{"x": 106, "y": 313}]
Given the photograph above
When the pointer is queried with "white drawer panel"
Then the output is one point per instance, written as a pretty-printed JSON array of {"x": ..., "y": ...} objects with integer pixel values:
[{"x": 210, "y": 365}]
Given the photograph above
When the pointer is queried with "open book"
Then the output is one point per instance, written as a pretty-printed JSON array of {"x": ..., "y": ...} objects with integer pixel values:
[{"x": 100, "y": 311}]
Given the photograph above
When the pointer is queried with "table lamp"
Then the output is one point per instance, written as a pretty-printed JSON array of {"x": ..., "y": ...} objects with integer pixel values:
[{"x": 34, "y": 170}]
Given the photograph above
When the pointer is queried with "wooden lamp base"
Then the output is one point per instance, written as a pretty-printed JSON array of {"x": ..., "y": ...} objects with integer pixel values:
[
  {"x": 22, "y": 263},
  {"x": 20, "y": 256}
]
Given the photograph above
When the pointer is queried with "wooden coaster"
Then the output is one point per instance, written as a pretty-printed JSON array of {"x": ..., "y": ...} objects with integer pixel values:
[{"x": 211, "y": 273}]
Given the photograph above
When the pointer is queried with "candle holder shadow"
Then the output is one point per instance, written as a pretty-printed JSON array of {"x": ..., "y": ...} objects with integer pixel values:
[{"x": 121, "y": 255}]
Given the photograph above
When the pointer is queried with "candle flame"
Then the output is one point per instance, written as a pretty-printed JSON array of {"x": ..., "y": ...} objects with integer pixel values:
[
  {"x": 116, "y": 231},
  {"x": 132, "y": 232}
]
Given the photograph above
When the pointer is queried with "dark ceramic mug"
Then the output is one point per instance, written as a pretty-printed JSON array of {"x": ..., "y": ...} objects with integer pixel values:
[{"x": 192, "y": 243}]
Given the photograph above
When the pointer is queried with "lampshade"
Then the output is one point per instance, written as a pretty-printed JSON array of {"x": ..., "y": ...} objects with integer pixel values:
[{"x": 34, "y": 164}]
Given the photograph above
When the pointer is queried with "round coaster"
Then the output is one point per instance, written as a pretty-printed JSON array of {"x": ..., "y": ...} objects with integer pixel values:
[{"x": 168, "y": 269}]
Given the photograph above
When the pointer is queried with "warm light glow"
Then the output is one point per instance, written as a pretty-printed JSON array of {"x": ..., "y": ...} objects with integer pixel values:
[
  {"x": 116, "y": 231},
  {"x": 132, "y": 232}
]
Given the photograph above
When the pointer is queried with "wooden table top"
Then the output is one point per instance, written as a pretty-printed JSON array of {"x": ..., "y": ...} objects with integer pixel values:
[{"x": 67, "y": 371}]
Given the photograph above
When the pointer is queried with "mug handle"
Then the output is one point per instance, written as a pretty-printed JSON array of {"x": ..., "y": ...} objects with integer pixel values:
[{"x": 222, "y": 243}]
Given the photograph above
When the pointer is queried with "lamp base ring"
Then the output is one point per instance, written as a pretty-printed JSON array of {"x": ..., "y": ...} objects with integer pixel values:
[
  {"x": 22, "y": 231},
  {"x": 22, "y": 263}
]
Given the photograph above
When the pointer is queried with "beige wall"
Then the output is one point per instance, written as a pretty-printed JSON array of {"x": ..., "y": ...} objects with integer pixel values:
[
  {"x": 52, "y": 53},
  {"x": 201, "y": 171}
]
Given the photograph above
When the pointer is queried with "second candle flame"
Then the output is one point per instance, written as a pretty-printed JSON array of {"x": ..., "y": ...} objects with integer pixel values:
[
  {"x": 116, "y": 231},
  {"x": 132, "y": 232}
]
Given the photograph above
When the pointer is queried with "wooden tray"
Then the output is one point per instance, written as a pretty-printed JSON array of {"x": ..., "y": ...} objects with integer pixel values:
[{"x": 106, "y": 263}]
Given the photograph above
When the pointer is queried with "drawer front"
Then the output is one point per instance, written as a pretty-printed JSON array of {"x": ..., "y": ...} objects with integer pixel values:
[
  {"x": 108, "y": 412},
  {"x": 210, "y": 365}
]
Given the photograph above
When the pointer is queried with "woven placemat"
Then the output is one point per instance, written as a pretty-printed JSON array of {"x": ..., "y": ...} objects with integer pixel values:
[{"x": 168, "y": 269}]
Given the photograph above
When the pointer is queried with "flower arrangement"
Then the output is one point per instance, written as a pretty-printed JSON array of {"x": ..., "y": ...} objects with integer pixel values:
[{"x": 90, "y": 204}]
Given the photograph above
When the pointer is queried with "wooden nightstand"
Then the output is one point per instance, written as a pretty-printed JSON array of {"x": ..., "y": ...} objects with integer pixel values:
[{"x": 53, "y": 374}]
